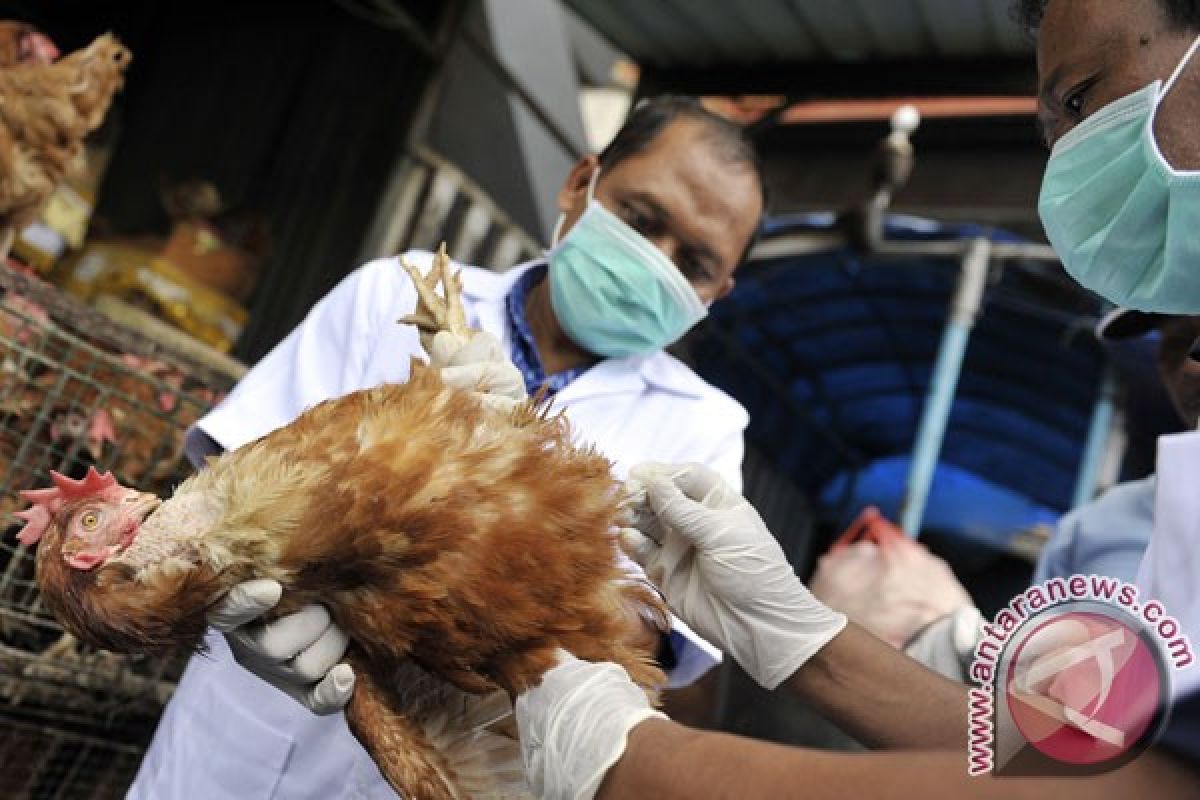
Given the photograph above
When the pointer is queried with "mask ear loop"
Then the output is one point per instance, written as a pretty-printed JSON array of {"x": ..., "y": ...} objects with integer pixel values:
[
  {"x": 556, "y": 234},
  {"x": 1187, "y": 57},
  {"x": 1183, "y": 62}
]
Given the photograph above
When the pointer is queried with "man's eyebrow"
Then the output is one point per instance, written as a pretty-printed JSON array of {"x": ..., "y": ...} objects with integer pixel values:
[
  {"x": 650, "y": 200},
  {"x": 701, "y": 249},
  {"x": 1048, "y": 93}
]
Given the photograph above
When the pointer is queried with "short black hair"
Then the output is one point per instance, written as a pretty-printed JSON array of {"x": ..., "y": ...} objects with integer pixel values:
[
  {"x": 651, "y": 116},
  {"x": 1181, "y": 14}
]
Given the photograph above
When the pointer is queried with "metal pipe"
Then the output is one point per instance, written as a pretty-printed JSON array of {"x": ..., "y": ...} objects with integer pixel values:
[
  {"x": 964, "y": 309},
  {"x": 958, "y": 248},
  {"x": 1099, "y": 432}
]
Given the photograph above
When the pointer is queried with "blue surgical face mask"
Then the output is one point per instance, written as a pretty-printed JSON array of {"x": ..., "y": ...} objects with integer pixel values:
[
  {"x": 1124, "y": 222},
  {"x": 614, "y": 293}
]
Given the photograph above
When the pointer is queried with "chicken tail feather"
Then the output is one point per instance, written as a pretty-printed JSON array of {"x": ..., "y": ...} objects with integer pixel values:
[
  {"x": 432, "y": 740},
  {"x": 408, "y": 761},
  {"x": 479, "y": 743}
]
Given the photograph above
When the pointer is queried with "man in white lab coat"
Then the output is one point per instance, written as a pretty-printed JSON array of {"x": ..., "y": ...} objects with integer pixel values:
[{"x": 650, "y": 234}]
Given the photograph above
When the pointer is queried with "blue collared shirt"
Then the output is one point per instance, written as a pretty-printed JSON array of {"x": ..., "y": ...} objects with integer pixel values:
[{"x": 524, "y": 349}]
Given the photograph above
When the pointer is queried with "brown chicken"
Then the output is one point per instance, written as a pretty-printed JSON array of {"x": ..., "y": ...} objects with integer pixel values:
[
  {"x": 21, "y": 43},
  {"x": 46, "y": 110},
  {"x": 459, "y": 546}
]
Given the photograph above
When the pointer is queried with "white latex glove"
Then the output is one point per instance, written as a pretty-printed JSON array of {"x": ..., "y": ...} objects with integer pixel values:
[
  {"x": 297, "y": 654},
  {"x": 480, "y": 365},
  {"x": 574, "y": 726},
  {"x": 947, "y": 645},
  {"x": 723, "y": 572}
]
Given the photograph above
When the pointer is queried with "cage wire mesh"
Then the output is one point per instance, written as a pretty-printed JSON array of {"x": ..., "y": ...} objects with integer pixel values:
[
  {"x": 77, "y": 390},
  {"x": 43, "y": 761}
]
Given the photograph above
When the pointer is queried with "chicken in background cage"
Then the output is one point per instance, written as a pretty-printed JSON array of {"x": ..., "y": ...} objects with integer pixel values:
[{"x": 76, "y": 391}]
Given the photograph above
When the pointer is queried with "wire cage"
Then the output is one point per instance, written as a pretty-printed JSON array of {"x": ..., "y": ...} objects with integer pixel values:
[
  {"x": 78, "y": 390},
  {"x": 44, "y": 762}
]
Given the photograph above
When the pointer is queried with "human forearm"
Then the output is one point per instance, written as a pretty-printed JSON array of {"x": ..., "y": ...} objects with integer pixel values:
[
  {"x": 881, "y": 696},
  {"x": 665, "y": 760}
]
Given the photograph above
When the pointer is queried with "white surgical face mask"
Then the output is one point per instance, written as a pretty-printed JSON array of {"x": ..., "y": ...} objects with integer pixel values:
[
  {"x": 614, "y": 293},
  {"x": 1125, "y": 223}
]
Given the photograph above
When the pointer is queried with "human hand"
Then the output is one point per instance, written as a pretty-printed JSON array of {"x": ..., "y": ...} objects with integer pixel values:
[
  {"x": 574, "y": 725},
  {"x": 480, "y": 365},
  {"x": 297, "y": 654},
  {"x": 723, "y": 572}
]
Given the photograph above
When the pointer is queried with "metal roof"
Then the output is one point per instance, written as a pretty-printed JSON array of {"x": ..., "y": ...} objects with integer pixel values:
[{"x": 700, "y": 33}]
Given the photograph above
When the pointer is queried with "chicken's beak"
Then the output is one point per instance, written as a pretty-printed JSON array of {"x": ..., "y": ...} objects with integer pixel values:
[{"x": 146, "y": 504}]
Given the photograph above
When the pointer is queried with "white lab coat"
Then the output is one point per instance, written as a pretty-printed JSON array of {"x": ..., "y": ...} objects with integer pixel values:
[
  {"x": 1171, "y": 567},
  {"x": 225, "y": 733}
]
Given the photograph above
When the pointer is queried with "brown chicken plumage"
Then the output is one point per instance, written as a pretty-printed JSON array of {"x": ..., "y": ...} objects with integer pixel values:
[
  {"x": 21, "y": 43},
  {"x": 46, "y": 110},
  {"x": 459, "y": 547}
]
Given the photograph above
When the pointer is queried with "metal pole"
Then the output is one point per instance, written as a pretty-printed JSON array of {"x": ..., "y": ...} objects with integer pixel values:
[
  {"x": 964, "y": 308},
  {"x": 1100, "y": 430}
]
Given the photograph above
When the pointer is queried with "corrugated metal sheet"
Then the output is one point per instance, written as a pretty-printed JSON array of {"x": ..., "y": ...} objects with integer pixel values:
[{"x": 700, "y": 33}]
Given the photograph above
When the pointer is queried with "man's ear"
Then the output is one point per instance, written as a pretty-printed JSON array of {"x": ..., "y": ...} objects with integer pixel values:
[
  {"x": 724, "y": 291},
  {"x": 574, "y": 189}
]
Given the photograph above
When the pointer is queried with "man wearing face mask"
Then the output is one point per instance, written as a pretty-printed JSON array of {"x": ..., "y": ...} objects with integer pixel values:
[
  {"x": 1120, "y": 84},
  {"x": 650, "y": 234},
  {"x": 1120, "y": 202}
]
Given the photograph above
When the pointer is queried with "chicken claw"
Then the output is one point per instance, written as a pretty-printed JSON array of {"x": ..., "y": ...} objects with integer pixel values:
[{"x": 435, "y": 313}]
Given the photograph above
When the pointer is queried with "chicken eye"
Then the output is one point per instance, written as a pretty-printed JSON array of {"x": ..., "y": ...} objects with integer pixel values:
[{"x": 89, "y": 521}]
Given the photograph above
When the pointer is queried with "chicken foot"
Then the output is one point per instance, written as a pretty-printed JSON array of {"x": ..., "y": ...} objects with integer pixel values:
[{"x": 435, "y": 313}]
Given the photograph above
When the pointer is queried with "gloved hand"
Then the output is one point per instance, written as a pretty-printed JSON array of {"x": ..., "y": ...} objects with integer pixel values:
[
  {"x": 481, "y": 365},
  {"x": 574, "y": 725},
  {"x": 722, "y": 571},
  {"x": 297, "y": 654},
  {"x": 947, "y": 645}
]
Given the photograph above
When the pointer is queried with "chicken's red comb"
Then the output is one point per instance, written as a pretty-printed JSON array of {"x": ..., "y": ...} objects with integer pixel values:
[
  {"x": 44, "y": 503},
  {"x": 91, "y": 484}
]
